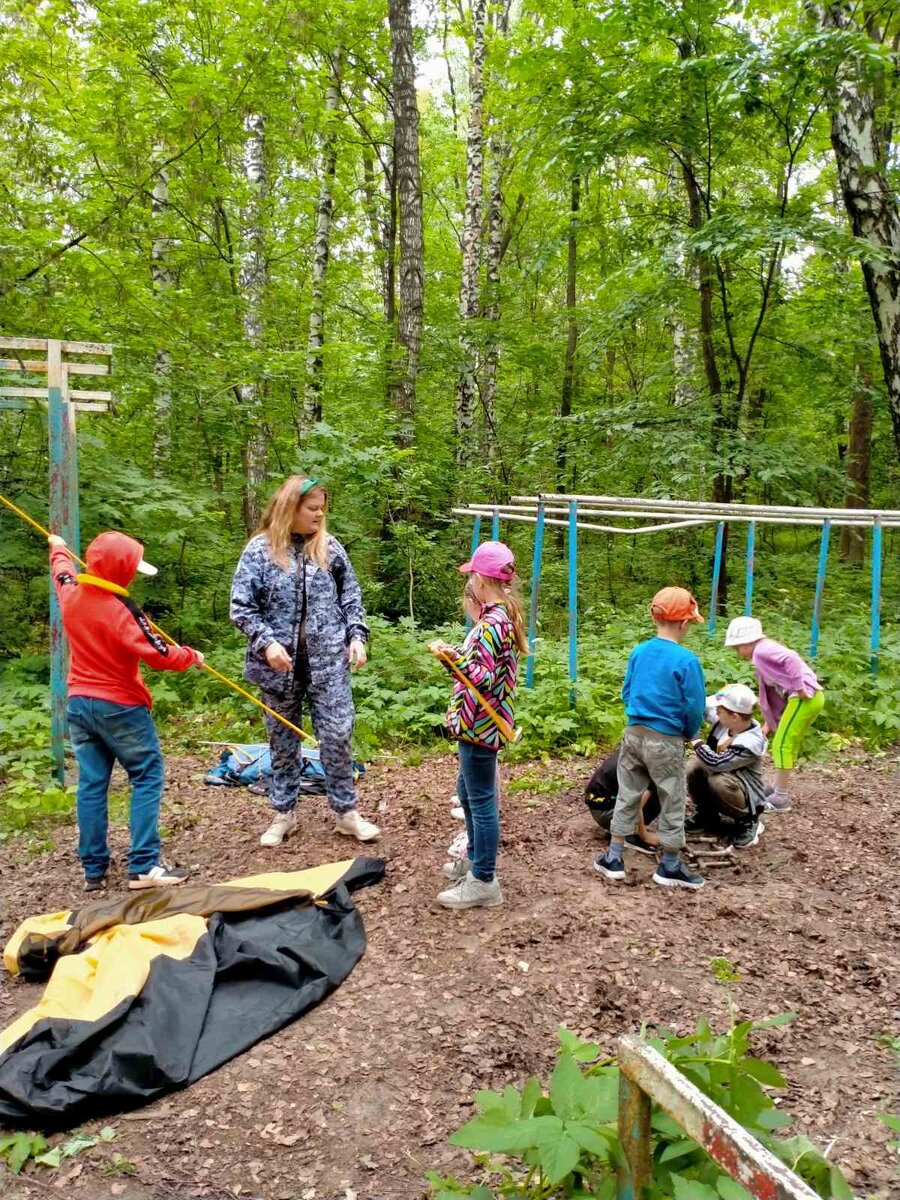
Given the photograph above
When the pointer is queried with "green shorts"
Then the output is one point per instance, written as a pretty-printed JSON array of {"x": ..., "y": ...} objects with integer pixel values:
[{"x": 796, "y": 719}]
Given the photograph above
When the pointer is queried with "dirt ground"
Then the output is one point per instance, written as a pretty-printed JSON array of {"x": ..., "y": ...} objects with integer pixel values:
[{"x": 356, "y": 1100}]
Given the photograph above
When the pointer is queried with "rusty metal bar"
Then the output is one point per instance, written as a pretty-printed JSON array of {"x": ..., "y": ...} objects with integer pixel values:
[
  {"x": 733, "y": 1148},
  {"x": 634, "y": 1134}
]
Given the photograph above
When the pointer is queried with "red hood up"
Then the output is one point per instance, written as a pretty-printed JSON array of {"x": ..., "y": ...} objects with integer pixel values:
[{"x": 114, "y": 556}]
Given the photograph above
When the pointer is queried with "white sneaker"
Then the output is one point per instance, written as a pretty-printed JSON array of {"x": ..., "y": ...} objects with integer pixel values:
[
  {"x": 470, "y": 892},
  {"x": 283, "y": 824},
  {"x": 456, "y": 868},
  {"x": 351, "y": 824},
  {"x": 158, "y": 876}
]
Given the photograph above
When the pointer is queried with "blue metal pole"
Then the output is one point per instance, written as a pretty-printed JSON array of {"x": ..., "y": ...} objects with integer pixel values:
[
  {"x": 495, "y": 527},
  {"x": 876, "y": 593},
  {"x": 536, "y": 564},
  {"x": 65, "y": 522},
  {"x": 748, "y": 586},
  {"x": 717, "y": 572},
  {"x": 573, "y": 597},
  {"x": 476, "y": 538},
  {"x": 820, "y": 589}
]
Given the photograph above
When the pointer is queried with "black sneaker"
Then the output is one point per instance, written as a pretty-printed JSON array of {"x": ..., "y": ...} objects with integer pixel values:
[
  {"x": 158, "y": 876},
  {"x": 634, "y": 841},
  {"x": 677, "y": 876},
  {"x": 612, "y": 868},
  {"x": 748, "y": 836},
  {"x": 94, "y": 883}
]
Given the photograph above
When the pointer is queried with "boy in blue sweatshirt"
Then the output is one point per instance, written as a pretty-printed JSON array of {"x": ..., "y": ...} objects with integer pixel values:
[{"x": 665, "y": 699}]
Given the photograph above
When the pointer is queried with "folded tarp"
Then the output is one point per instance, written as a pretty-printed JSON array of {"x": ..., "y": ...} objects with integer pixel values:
[{"x": 153, "y": 990}]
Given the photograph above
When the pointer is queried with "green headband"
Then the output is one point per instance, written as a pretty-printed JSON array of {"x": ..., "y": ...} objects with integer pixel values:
[{"x": 308, "y": 487}]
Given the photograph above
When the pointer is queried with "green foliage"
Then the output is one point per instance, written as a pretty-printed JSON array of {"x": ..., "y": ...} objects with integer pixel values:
[
  {"x": 563, "y": 1140},
  {"x": 29, "y": 802},
  {"x": 17, "y": 1148}
]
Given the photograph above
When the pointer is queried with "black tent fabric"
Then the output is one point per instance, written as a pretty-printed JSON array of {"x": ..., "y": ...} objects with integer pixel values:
[{"x": 144, "y": 1006}]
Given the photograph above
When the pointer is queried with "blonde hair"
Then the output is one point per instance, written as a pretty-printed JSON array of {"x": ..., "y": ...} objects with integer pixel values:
[
  {"x": 515, "y": 610},
  {"x": 278, "y": 519}
]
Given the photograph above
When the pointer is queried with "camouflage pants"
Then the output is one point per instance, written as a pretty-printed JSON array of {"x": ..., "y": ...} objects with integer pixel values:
[
  {"x": 331, "y": 709},
  {"x": 649, "y": 757}
]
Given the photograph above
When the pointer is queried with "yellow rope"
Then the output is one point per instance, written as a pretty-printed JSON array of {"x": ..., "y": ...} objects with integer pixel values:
[{"x": 301, "y": 733}]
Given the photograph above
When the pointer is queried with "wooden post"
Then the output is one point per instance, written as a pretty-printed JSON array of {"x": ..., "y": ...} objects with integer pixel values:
[
  {"x": 62, "y": 402},
  {"x": 64, "y": 521}
]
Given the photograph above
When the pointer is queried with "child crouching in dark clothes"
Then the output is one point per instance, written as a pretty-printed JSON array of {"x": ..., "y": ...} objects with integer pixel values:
[
  {"x": 600, "y": 796},
  {"x": 724, "y": 775}
]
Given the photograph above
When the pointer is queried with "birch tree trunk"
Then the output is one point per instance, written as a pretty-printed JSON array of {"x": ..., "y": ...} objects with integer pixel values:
[
  {"x": 162, "y": 276},
  {"x": 496, "y": 246},
  {"x": 253, "y": 282},
  {"x": 859, "y": 465},
  {"x": 861, "y": 138},
  {"x": 568, "y": 383},
  {"x": 312, "y": 402},
  {"x": 467, "y": 379},
  {"x": 409, "y": 200}
]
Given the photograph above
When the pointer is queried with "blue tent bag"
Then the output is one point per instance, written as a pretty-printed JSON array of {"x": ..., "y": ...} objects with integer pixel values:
[{"x": 251, "y": 766}]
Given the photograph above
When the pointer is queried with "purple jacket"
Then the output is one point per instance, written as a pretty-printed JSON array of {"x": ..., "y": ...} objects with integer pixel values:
[{"x": 781, "y": 673}]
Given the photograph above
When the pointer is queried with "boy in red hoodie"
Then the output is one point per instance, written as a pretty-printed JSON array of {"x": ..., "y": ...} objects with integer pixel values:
[{"x": 109, "y": 705}]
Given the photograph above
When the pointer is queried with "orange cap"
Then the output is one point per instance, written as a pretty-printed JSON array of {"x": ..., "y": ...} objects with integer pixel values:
[{"x": 674, "y": 604}]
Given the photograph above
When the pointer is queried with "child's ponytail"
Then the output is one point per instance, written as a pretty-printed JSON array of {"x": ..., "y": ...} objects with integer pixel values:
[{"x": 512, "y": 600}]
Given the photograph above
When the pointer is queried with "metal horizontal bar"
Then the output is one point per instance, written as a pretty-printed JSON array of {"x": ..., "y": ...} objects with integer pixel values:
[
  {"x": 506, "y": 516},
  {"x": 80, "y": 394},
  {"x": 861, "y": 520},
  {"x": 732, "y": 1147},
  {"x": 704, "y": 506}
]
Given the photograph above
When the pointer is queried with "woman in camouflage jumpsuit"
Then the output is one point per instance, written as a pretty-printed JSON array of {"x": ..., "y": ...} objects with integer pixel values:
[{"x": 298, "y": 602}]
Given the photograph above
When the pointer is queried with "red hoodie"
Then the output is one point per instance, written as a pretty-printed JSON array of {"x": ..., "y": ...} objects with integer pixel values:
[{"x": 108, "y": 634}]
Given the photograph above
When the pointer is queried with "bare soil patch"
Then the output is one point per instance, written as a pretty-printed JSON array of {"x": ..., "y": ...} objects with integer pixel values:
[{"x": 357, "y": 1099}]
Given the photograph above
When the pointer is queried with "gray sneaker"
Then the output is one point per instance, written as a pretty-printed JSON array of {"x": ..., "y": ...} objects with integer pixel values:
[
  {"x": 470, "y": 892},
  {"x": 456, "y": 868}
]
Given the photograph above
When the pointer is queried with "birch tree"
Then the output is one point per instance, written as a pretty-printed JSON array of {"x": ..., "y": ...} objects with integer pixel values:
[
  {"x": 312, "y": 405},
  {"x": 861, "y": 135},
  {"x": 163, "y": 278},
  {"x": 467, "y": 378},
  {"x": 253, "y": 286},
  {"x": 410, "y": 226}
]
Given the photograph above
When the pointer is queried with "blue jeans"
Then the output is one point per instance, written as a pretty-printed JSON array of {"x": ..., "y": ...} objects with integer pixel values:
[
  {"x": 476, "y": 788},
  {"x": 103, "y": 732}
]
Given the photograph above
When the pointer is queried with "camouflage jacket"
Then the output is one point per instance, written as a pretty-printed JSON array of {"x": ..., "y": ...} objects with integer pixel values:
[{"x": 267, "y": 603}]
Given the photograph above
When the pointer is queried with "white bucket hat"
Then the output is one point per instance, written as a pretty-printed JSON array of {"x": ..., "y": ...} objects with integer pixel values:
[{"x": 743, "y": 630}]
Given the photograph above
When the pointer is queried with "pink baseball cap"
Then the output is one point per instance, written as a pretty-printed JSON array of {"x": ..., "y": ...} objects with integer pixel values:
[{"x": 493, "y": 559}]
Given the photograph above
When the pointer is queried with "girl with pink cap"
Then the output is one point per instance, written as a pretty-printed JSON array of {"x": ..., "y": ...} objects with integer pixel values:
[{"x": 489, "y": 659}]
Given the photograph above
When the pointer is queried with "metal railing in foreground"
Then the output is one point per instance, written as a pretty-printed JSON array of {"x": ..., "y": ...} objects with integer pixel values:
[{"x": 646, "y": 1078}]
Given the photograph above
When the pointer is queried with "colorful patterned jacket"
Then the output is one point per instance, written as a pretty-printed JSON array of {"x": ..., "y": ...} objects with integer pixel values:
[{"x": 490, "y": 659}]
